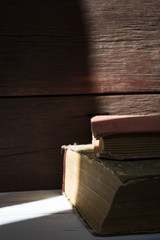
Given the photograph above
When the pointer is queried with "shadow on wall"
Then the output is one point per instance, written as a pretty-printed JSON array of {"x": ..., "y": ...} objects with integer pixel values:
[
  {"x": 43, "y": 52},
  {"x": 44, "y": 48}
]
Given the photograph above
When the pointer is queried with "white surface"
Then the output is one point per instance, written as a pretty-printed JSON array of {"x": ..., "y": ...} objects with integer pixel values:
[
  {"x": 31, "y": 210},
  {"x": 46, "y": 215}
]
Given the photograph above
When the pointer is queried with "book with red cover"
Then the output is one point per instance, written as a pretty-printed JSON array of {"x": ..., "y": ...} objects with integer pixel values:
[
  {"x": 126, "y": 136},
  {"x": 109, "y": 125}
]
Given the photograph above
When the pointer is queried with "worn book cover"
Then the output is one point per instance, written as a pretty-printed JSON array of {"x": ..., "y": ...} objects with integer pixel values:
[{"x": 112, "y": 197}]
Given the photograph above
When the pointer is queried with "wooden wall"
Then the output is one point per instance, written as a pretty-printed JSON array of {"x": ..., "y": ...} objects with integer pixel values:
[{"x": 62, "y": 62}]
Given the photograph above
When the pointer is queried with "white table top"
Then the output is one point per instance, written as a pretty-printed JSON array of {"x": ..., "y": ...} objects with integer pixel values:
[{"x": 46, "y": 215}]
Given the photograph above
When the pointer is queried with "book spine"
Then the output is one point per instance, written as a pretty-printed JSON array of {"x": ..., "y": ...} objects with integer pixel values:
[
  {"x": 96, "y": 146},
  {"x": 64, "y": 152}
]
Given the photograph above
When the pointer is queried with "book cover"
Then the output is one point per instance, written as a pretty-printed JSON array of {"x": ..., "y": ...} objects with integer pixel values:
[
  {"x": 126, "y": 137},
  {"x": 112, "y": 197}
]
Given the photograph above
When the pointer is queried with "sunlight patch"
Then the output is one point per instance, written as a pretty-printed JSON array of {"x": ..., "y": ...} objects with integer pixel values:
[{"x": 35, "y": 209}]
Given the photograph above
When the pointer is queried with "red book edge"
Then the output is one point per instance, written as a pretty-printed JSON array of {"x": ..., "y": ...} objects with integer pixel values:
[
  {"x": 64, "y": 152},
  {"x": 116, "y": 124}
]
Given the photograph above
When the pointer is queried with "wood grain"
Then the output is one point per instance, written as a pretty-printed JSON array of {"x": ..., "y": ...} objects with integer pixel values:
[
  {"x": 34, "y": 128},
  {"x": 79, "y": 47}
]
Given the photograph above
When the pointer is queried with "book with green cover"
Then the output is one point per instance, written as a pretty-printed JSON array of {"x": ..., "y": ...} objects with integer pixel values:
[{"x": 112, "y": 197}]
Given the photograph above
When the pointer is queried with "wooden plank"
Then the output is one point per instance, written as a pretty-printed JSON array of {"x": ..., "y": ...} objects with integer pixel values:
[
  {"x": 33, "y": 130},
  {"x": 74, "y": 47}
]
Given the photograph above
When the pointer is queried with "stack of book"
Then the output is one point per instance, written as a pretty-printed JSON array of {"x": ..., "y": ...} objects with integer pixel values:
[{"x": 114, "y": 183}]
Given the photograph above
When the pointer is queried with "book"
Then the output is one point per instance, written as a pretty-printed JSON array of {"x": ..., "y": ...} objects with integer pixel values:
[
  {"x": 112, "y": 197},
  {"x": 126, "y": 136}
]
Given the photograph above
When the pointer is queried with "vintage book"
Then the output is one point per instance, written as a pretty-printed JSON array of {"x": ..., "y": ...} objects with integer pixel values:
[
  {"x": 127, "y": 136},
  {"x": 112, "y": 197}
]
